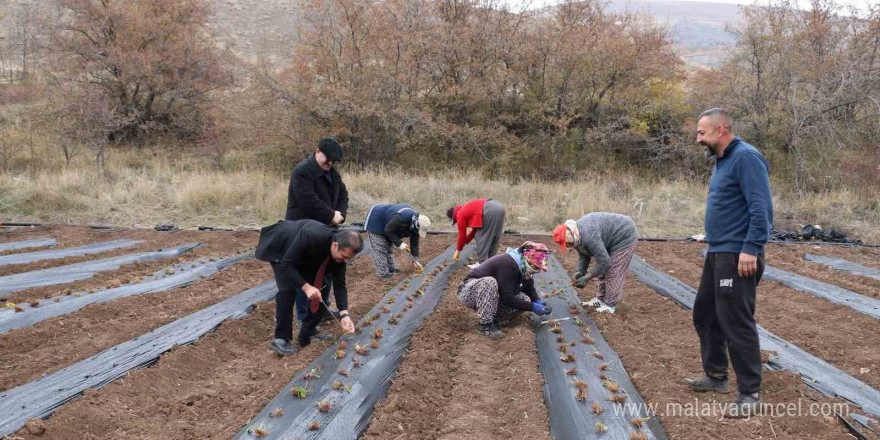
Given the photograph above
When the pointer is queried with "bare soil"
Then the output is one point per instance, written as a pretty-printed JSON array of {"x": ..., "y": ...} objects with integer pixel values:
[
  {"x": 838, "y": 334},
  {"x": 210, "y": 389}
]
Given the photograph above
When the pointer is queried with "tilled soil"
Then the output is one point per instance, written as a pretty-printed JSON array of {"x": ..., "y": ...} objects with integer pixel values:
[
  {"x": 792, "y": 260},
  {"x": 458, "y": 384},
  {"x": 838, "y": 334},
  {"x": 215, "y": 244},
  {"x": 213, "y": 387},
  {"x": 658, "y": 346}
]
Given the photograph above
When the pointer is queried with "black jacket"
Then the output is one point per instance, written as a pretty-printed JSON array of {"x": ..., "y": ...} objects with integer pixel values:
[
  {"x": 299, "y": 247},
  {"x": 510, "y": 280},
  {"x": 311, "y": 195}
]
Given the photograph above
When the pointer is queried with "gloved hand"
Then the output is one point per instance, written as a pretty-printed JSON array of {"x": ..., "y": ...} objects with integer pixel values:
[
  {"x": 581, "y": 282},
  {"x": 404, "y": 247},
  {"x": 576, "y": 276},
  {"x": 541, "y": 301},
  {"x": 455, "y": 256},
  {"x": 418, "y": 267},
  {"x": 540, "y": 309}
]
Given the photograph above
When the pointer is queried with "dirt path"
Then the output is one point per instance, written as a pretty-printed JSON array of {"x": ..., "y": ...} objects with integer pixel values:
[
  {"x": 458, "y": 384},
  {"x": 838, "y": 334},
  {"x": 211, "y": 388},
  {"x": 656, "y": 341}
]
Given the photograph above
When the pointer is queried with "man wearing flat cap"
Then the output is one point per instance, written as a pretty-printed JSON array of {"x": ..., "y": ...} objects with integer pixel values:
[{"x": 316, "y": 189}]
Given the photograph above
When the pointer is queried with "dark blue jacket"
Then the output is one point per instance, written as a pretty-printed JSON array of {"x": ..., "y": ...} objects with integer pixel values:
[
  {"x": 395, "y": 223},
  {"x": 739, "y": 209}
]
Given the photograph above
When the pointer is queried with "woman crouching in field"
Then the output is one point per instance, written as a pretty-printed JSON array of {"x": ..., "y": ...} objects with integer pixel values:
[
  {"x": 611, "y": 239},
  {"x": 503, "y": 286}
]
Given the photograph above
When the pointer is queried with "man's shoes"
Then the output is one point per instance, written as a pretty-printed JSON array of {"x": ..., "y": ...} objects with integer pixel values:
[
  {"x": 491, "y": 331},
  {"x": 604, "y": 308},
  {"x": 282, "y": 347},
  {"x": 327, "y": 316},
  {"x": 593, "y": 302},
  {"x": 706, "y": 383},
  {"x": 746, "y": 405}
]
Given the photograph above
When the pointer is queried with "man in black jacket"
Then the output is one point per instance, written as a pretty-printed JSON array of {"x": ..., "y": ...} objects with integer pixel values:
[
  {"x": 307, "y": 258},
  {"x": 316, "y": 189}
]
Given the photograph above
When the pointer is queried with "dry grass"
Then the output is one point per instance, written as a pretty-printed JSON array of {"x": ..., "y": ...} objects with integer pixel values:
[{"x": 144, "y": 191}]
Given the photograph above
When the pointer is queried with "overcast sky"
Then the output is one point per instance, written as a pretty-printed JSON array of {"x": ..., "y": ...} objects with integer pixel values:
[{"x": 861, "y": 4}]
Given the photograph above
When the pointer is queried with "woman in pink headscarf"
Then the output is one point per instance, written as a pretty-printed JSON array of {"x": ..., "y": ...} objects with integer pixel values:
[{"x": 503, "y": 286}]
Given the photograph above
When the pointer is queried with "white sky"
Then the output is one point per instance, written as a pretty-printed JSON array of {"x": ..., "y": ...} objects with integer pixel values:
[{"x": 861, "y": 4}]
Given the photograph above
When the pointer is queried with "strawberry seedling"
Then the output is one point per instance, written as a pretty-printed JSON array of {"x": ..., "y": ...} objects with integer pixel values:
[
  {"x": 386, "y": 309},
  {"x": 617, "y": 398},
  {"x": 560, "y": 339},
  {"x": 392, "y": 300},
  {"x": 312, "y": 374},
  {"x": 258, "y": 432},
  {"x": 556, "y": 328},
  {"x": 598, "y": 355},
  {"x": 323, "y": 406},
  {"x": 572, "y": 371},
  {"x": 299, "y": 392},
  {"x": 377, "y": 334},
  {"x": 637, "y": 436},
  {"x": 339, "y": 354},
  {"x": 338, "y": 386},
  {"x": 567, "y": 358},
  {"x": 581, "y": 387},
  {"x": 277, "y": 413},
  {"x": 596, "y": 409},
  {"x": 356, "y": 363},
  {"x": 393, "y": 320},
  {"x": 361, "y": 350},
  {"x": 603, "y": 367},
  {"x": 374, "y": 344},
  {"x": 574, "y": 310},
  {"x": 600, "y": 428},
  {"x": 588, "y": 340},
  {"x": 639, "y": 423},
  {"x": 613, "y": 387},
  {"x": 314, "y": 426},
  {"x": 578, "y": 322},
  {"x": 343, "y": 372}
]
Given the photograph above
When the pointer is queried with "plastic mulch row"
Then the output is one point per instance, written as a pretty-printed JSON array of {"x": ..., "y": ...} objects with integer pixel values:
[
  {"x": 860, "y": 303},
  {"x": 352, "y": 393},
  {"x": 845, "y": 266},
  {"x": 574, "y": 350},
  {"x": 24, "y": 244},
  {"x": 54, "y": 254},
  {"x": 816, "y": 373},
  {"x": 84, "y": 270},
  {"x": 41, "y": 397},
  {"x": 166, "y": 279}
]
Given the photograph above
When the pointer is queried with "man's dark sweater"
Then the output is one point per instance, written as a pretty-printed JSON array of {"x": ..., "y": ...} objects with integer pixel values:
[
  {"x": 510, "y": 280},
  {"x": 314, "y": 194},
  {"x": 739, "y": 209}
]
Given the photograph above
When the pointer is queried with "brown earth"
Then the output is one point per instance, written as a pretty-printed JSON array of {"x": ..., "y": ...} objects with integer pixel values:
[
  {"x": 213, "y": 387},
  {"x": 458, "y": 384},
  {"x": 215, "y": 244},
  {"x": 838, "y": 334},
  {"x": 792, "y": 260},
  {"x": 656, "y": 341}
]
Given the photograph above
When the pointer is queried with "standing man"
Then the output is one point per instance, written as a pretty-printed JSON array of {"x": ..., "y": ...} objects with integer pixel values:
[
  {"x": 387, "y": 225},
  {"x": 308, "y": 258},
  {"x": 739, "y": 216},
  {"x": 485, "y": 218},
  {"x": 316, "y": 189}
]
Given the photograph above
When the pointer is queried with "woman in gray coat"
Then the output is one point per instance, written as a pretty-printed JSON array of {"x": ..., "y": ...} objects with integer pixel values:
[{"x": 610, "y": 239}]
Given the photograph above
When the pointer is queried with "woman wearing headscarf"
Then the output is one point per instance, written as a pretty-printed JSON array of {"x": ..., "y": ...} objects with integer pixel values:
[
  {"x": 503, "y": 286},
  {"x": 386, "y": 226},
  {"x": 610, "y": 239},
  {"x": 485, "y": 218}
]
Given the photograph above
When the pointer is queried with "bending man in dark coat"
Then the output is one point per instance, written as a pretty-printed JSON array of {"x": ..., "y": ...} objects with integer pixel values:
[
  {"x": 316, "y": 189},
  {"x": 307, "y": 258}
]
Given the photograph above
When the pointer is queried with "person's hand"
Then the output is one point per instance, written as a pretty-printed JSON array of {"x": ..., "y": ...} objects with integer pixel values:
[
  {"x": 540, "y": 301},
  {"x": 404, "y": 247},
  {"x": 311, "y": 292},
  {"x": 347, "y": 325},
  {"x": 455, "y": 256},
  {"x": 418, "y": 267},
  {"x": 581, "y": 282},
  {"x": 540, "y": 309},
  {"x": 576, "y": 276},
  {"x": 748, "y": 265},
  {"x": 337, "y": 218}
]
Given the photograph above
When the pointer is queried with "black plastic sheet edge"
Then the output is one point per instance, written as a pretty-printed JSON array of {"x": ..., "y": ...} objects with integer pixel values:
[
  {"x": 815, "y": 372},
  {"x": 24, "y": 244},
  {"x": 845, "y": 266},
  {"x": 84, "y": 270},
  {"x": 41, "y": 397},
  {"x": 860, "y": 303},
  {"x": 351, "y": 410},
  {"x": 569, "y": 418},
  {"x": 182, "y": 275},
  {"x": 54, "y": 254}
]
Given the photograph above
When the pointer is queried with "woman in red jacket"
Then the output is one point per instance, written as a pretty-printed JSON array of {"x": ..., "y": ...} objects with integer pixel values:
[{"x": 485, "y": 218}]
